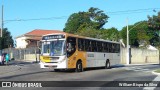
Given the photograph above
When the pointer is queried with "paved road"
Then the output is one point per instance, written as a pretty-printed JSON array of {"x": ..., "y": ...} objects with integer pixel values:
[{"x": 27, "y": 71}]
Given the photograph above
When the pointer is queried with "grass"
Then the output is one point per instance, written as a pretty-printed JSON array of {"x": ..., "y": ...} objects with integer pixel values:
[{"x": 158, "y": 70}]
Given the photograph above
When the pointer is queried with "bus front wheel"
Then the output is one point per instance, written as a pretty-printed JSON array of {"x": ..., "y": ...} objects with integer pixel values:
[{"x": 79, "y": 67}]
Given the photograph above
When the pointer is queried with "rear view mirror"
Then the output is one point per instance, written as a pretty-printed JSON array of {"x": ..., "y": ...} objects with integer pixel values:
[{"x": 39, "y": 44}]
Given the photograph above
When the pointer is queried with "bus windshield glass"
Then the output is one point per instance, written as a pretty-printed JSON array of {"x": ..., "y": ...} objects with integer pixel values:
[{"x": 54, "y": 48}]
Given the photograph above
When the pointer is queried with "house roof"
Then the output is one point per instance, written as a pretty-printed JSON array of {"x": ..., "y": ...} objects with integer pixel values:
[{"x": 40, "y": 32}]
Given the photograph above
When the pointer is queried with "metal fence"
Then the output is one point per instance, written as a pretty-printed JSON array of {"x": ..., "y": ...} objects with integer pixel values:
[{"x": 22, "y": 54}]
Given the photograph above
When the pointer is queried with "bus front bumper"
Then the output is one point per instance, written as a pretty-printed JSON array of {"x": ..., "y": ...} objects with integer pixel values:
[{"x": 59, "y": 65}]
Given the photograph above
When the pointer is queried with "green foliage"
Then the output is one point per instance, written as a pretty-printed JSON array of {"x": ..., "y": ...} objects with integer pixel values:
[
  {"x": 110, "y": 34},
  {"x": 97, "y": 17},
  {"x": 133, "y": 40},
  {"x": 92, "y": 19},
  {"x": 139, "y": 34},
  {"x": 154, "y": 28},
  {"x": 143, "y": 33},
  {"x": 6, "y": 41},
  {"x": 75, "y": 21},
  {"x": 88, "y": 32},
  {"x": 91, "y": 23}
]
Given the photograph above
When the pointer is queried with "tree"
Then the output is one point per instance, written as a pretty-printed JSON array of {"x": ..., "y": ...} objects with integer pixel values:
[
  {"x": 138, "y": 34},
  {"x": 6, "y": 41},
  {"x": 154, "y": 28},
  {"x": 133, "y": 40},
  {"x": 89, "y": 33},
  {"x": 92, "y": 19},
  {"x": 110, "y": 34},
  {"x": 143, "y": 34},
  {"x": 74, "y": 22},
  {"x": 97, "y": 17}
]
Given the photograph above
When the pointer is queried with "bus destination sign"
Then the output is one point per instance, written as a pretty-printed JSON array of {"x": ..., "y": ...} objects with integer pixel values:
[{"x": 53, "y": 37}]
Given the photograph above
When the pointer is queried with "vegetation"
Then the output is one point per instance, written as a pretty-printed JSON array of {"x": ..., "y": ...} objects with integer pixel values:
[
  {"x": 138, "y": 34},
  {"x": 90, "y": 24},
  {"x": 92, "y": 19},
  {"x": 6, "y": 41},
  {"x": 157, "y": 71},
  {"x": 154, "y": 29}
]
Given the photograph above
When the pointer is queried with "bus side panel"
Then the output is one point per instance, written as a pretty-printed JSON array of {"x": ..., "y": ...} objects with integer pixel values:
[
  {"x": 100, "y": 59},
  {"x": 96, "y": 59},
  {"x": 91, "y": 59},
  {"x": 116, "y": 58},
  {"x": 78, "y": 55}
]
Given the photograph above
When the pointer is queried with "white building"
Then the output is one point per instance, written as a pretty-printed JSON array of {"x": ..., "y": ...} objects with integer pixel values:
[{"x": 30, "y": 39}]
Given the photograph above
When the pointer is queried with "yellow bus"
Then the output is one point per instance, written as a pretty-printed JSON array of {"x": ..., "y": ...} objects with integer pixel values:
[{"x": 68, "y": 51}]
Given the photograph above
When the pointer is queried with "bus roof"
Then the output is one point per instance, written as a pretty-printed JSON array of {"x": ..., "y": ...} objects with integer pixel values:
[{"x": 83, "y": 37}]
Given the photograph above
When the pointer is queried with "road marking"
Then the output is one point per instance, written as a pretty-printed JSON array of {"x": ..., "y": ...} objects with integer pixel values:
[
  {"x": 152, "y": 88},
  {"x": 138, "y": 69}
]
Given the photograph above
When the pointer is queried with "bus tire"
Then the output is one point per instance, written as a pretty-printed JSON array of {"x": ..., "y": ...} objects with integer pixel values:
[
  {"x": 107, "y": 65},
  {"x": 56, "y": 70},
  {"x": 79, "y": 67}
]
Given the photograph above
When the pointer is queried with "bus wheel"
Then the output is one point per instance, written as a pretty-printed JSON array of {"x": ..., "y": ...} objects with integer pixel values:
[
  {"x": 56, "y": 70},
  {"x": 79, "y": 67},
  {"x": 107, "y": 66}
]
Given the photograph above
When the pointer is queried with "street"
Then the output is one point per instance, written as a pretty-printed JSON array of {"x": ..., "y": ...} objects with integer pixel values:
[{"x": 32, "y": 72}]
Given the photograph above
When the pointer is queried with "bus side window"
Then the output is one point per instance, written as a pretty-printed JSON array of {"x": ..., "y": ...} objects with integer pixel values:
[
  {"x": 110, "y": 48},
  {"x": 93, "y": 46},
  {"x": 80, "y": 45},
  {"x": 117, "y": 48},
  {"x": 105, "y": 47},
  {"x": 90, "y": 46},
  {"x": 83, "y": 45},
  {"x": 96, "y": 46},
  {"x": 86, "y": 45}
]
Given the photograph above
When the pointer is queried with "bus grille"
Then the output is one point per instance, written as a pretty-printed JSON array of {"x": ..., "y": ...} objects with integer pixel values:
[{"x": 54, "y": 58}]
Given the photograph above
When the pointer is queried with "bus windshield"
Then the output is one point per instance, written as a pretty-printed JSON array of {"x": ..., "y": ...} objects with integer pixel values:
[{"x": 54, "y": 48}]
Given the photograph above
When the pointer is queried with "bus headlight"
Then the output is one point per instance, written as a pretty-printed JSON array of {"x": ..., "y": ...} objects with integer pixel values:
[{"x": 64, "y": 58}]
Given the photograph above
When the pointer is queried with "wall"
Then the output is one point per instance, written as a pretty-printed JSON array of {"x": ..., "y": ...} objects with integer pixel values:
[
  {"x": 32, "y": 57},
  {"x": 21, "y": 42},
  {"x": 140, "y": 56},
  {"x": 23, "y": 54}
]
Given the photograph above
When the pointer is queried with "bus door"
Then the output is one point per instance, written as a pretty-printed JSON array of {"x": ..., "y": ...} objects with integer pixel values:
[{"x": 71, "y": 49}]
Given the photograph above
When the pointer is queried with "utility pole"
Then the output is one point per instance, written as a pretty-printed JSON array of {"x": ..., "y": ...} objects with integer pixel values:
[
  {"x": 2, "y": 23},
  {"x": 127, "y": 54}
]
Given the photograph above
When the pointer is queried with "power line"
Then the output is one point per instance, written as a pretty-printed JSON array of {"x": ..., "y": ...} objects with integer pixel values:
[
  {"x": 110, "y": 13},
  {"x": 50, "y": 18},
  {"x": 132, "y": 11}
]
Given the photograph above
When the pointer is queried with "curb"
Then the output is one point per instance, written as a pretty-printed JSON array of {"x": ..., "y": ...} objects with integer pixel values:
[
  {"x": 28, "y": 61},
  {"x": 153, "y": 72},
  {"x": 141, "y": 64}
]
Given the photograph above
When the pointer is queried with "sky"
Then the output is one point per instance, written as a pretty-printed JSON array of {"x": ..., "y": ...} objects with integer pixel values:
[{"x": 22, "y": 16}]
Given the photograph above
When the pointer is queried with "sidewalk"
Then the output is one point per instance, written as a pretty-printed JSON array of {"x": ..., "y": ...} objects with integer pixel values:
[
  {"x": 14, "y": 65},
  {"x": 16, "y": 62}
]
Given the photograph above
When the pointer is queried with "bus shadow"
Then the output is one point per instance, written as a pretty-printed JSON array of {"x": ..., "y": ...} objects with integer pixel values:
[{"x": 89, "y": 69}]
